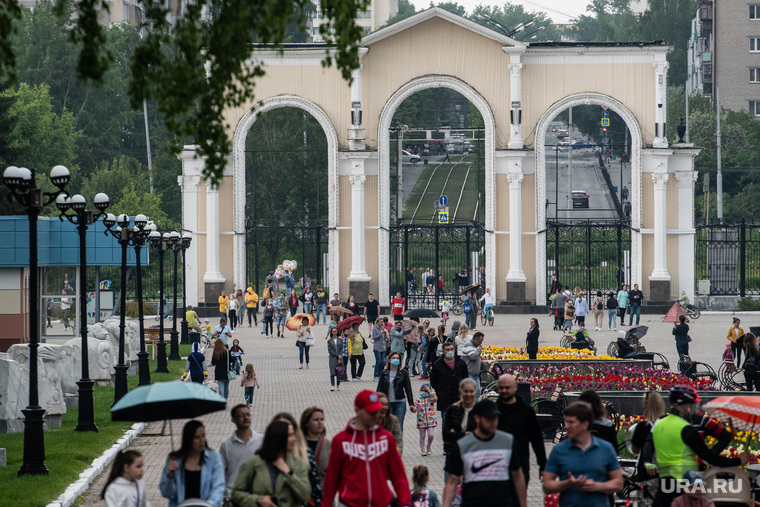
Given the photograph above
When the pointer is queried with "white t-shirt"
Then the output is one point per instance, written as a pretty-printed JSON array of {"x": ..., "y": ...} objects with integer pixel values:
[{"x": 232, "y": 305}]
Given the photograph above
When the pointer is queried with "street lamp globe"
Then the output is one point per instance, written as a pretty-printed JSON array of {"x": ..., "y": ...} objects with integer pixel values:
[
  {"x": 174, "y": 237},
  {"x": 109, "y": 220},
  {"x": 123, "y": 221},
  {"x": 187, "y": 237},
  {"x": 141, "y": 221},
  {"x": 59, "y": 175},
  {"x": 78, "y": 202},
  {"x": 26, "y": 177},
  {"x": 101, "y": 201},
  {"x": 63, "y": 203},
  {"x": 154, "y": 237},
  {"x": 12, "y": 177},
  {"x": 167, "y": 237}
]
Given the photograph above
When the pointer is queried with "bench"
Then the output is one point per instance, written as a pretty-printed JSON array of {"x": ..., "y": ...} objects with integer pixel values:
[{"x": 152, "y": 338}]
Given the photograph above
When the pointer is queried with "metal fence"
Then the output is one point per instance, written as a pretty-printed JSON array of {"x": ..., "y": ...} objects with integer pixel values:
[
  {"x": 432, "y": 262},
  {"x": 728, "y": 255},
  {"x": 593, "y": 255},
  {"x": 267, "y": 246}
]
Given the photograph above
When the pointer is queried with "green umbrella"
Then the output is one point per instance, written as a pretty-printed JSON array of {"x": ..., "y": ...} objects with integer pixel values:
[{"x": 167, "y": 400}]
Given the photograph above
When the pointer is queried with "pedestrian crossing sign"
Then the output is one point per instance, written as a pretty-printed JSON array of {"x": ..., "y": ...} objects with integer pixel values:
[
  {"x": 605, "y": 122},
  {"x": 443, "y": 217}
]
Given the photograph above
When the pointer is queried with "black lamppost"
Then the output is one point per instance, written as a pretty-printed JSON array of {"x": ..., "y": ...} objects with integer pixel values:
[
  {"x": 187, "y": 237},
  {"x": 82, "y": 218},
  {"x": 139, "y": 234},
  {"x": 124, "y": 235},
  {"x": 161, "y": 243},
  {"x": 175, "y": 243},
  {"x": 23, "y": 186}
]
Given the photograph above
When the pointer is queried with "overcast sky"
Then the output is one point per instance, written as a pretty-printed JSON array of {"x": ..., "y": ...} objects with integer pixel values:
[{"x": 560, "y": 11}]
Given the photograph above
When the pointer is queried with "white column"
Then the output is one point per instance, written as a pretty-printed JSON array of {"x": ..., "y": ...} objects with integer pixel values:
[
  {"x": 358, "y": 269},
  {"x": 192, "y": 168},
  {"x": 515, "y": 273},
  {"x": 661, "y": 103},
  {"x": 660, "y": 271},
  {"x": 356, "y": 132},
  {"x": 516, "y": 141},
  {"x": 686, "y": 275},
  {"x": 213, "y": 271}
]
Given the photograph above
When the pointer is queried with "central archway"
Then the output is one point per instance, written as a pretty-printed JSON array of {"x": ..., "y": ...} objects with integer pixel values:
[
  {"x": 383, "y": 136},
  {"x": 540, "y": 148},
  {"x": 238, "y": 156}
]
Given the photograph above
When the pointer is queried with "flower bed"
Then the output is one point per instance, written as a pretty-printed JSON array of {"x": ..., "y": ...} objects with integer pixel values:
[
  {"x": 743, "y": 441},
  {"x": 514, "y": 354},
  {"x": 601, "y": 377}
]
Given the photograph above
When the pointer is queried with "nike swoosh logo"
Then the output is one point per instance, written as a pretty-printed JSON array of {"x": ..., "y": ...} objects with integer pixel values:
[{"x": 476, "y": 470}]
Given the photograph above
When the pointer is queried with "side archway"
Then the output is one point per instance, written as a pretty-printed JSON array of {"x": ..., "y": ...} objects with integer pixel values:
[
  {"x": 238, "y": 167},
  {"x": 628, "y": 117},
  {"x": 383, "y": 136}
]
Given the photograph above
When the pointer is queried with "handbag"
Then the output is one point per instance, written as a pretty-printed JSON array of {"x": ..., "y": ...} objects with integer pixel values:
[
  {"x": 467, "y": 308},
  {"x": 621, "y": 312},
  {"x": 310, "y": 341},
  {"x": 364, "y": 344},
  {"x": 340, "y": 372},
  {"x": 231, "y": 375}
]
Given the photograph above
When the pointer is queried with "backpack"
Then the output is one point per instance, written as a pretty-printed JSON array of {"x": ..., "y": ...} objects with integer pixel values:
[
  {"x": 599, "y": 303},
  {"x": 420, "y": 498}
]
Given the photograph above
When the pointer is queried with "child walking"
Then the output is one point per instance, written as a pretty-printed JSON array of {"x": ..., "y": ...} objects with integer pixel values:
[
  {"x": 426, "y": 418},
  {"x": 249, "y": 380},
  {"x": 445, "y": 308},
  {"x": 125, "y": 487},
  {"x": 728, "y": 354},
  {"x": 422, "y": 496}
]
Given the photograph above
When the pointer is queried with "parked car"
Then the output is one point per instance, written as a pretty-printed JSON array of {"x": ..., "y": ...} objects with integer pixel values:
[
  {"x": 408, "y": 157},
  {"x": 580, "y": 199}
]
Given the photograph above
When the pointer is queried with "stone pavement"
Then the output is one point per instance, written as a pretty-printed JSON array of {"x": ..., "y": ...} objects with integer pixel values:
[{"x": 286, "y": 388}]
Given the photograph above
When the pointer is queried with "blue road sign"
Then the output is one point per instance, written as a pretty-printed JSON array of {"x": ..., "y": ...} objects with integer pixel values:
[
  {"x": 443, "y": 217},
  {"x": 605, "y": 114},
  {"x": 605, "y": 122},
  {"x": 443, "y": 201}
]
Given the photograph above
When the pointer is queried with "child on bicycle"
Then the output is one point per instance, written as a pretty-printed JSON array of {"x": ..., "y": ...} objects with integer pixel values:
[
  {"x": 488, "y": 299},
  {"x": 236, "y": 352}
]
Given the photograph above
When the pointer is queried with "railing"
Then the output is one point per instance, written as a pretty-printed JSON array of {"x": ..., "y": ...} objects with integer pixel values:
[{"x": 729, "y": 256}]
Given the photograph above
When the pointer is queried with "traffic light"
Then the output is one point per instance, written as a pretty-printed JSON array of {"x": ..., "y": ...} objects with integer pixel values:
[{"x": 604, "y": 129}]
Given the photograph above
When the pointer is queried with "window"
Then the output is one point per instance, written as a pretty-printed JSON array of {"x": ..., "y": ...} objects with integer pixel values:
[
  {"x": 754, "y": 44},
  {"x": 754, "y": 11},
  {"x": 754, "y": 107},
  {"x": 363, "y": 15},
  {"x": 754, "y": 75}
]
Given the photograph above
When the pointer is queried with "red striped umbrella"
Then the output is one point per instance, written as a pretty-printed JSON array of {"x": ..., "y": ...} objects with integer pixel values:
[{"x": 742, "y": 411}]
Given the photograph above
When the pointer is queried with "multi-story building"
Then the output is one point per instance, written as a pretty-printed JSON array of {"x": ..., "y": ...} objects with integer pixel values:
[
  {"x": 377, "y": 14},
  {"x": 724, "y": 54}
]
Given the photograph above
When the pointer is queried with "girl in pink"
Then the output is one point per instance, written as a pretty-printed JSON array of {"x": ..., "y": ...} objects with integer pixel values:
[
  {"x": 249, "y": 380},
  {"x": 426, "y": 418}
]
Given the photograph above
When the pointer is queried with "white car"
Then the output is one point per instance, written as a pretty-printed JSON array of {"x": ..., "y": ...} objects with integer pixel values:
[{"x": 408, "y": 157}]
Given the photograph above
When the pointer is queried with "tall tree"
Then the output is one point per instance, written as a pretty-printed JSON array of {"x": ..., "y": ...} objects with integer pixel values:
[
  {"x": 670, "y": 20},
  {"x": 406, "y": 9},
  {"x": 511, "y": 16}
]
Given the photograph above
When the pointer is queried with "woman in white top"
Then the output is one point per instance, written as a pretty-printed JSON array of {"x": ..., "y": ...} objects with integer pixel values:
[
  {"x": 488, "y": 299},
  {"x": 232, "y": 310},
  {"x": 462, "y": 337},
  {"x": 581, "y": 309}
]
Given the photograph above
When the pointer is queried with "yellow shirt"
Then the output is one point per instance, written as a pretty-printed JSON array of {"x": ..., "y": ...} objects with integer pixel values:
[
  {"x": 223, "y": 300},
  {"x": 191, "y": 317},
  {"x": 251, "y": 300},
  {"x": 355, "y": 344}
]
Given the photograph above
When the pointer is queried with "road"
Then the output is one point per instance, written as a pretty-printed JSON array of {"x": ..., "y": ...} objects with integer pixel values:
[{"x": 586, "y": 176}]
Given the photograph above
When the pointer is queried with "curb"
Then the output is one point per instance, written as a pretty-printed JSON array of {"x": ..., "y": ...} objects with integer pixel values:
[{"x": 76, "y": 489}]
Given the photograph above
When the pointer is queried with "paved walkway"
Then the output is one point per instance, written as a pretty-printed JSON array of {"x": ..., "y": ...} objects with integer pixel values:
[{"x": 286, "y": 388}]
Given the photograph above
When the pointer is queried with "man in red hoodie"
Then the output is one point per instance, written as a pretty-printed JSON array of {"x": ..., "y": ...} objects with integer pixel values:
[{"x": 363, "y": 457}]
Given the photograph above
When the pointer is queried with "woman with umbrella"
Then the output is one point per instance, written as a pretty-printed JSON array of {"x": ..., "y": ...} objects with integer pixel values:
[
  {"x": 274, "y": 476},
  {"x": 194, "y": 471},
  {"x": 220, "y": 360},
  {"x": 304, "y": 333},
  {"x": 351, "y": 305}
]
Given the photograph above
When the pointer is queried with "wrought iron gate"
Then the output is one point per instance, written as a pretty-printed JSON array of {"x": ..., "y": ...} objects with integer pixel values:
[
  {"x": 431, "y": 262},
  {"x": 267, "y": 246},
  {"x": 593, "y": 255},
  {"x": 728, "y": 255}
]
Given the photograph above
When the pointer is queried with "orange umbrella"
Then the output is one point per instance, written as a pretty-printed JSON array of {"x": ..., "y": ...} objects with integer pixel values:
[
  {"x": 339, "y": 310},
  {"x": 742, "y": 411},
  {"x": 296, "y": 320}
]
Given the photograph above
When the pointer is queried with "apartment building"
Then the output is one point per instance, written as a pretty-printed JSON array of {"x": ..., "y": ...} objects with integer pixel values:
[
  {"x": 724, "y": 53},
  {"x": 377, "y": 14}
]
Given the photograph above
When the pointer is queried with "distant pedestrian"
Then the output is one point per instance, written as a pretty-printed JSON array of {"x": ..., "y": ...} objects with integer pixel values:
[
  {"x": 220, "y": 360},
  {"x": 445, "y": 309},
  {"x": 320, "y": 299},
  {"x": 624, "y": 193},
  {"x": 304, "y": 340},
  {"x": 380, "y": 342},
  {"x": 193, "y": 322},
  {"x": 597, "y": 308},
  {"x": 371, "y": 310},
  {"x": 736, "y": 337},
  {"x": 251, "y": 303},
  {"x": 681, "y": 334},
  {"x": 612, "y": 311},
  {"x": 751, "y": 364},
  {"x": 581, "y": 309},
  {"x": 636, "y": 297},
  {"x": 232, "y": 312},
  {"x": 274, "y": 286},
  {"x": 445, "y": 376},
  {"x": 307, "y": 297},
  {"x": 268, "y": 319},
  {"x": 293, "y": 303},
  {"x": 222, "y": 331},
  {"x": 241, "y": 308},
  {"x": 531, "y": 340},
  {"x": 335, "y": 356},
  {"x": 281, "y": 313},
  {"x": 238, "y": 447},
  {"x": 223, "y": 302},
  {"x": 249, "y": 381},
  {"x": 356, "y": 346},
  {"x": 194, "y": 471},
  {"x": 426, "y": 419},
  {"x": 395, "y": 383},
  {"x": 196, "y": 365},
  {"x": 398, "y": 305},
  {"x": 622, "y": 298},
  {"x": 125, "y": 486},
  {"x": 363, "y": 458},
  {"x": 470, "y": 353},
  {"x": 351, "y": 305}
]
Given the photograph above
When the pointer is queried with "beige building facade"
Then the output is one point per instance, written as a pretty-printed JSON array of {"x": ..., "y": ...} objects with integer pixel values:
[{"x": 518, "y": 89}]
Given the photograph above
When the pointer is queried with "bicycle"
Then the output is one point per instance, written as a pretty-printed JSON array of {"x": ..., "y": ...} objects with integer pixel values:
[
  {"x": 457, "y": 309},
  {"x": 690, "y": 310},
  {"x": 484, "y": 317},
  {"x": 237, "y": 361}
]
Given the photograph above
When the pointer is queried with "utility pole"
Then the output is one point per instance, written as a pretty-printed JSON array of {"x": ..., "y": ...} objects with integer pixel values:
[
  {"x": 570, "y": 163},
  {"x": 719, "y": 179}
]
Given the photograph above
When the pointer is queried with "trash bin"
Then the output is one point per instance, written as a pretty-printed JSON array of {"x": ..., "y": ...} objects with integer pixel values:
[
  {"x": 194, "y": 336},
  {"x": 425, "y": 161}
]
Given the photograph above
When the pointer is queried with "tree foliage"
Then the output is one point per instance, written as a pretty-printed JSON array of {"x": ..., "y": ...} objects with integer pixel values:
[{"x": 513, "y": 15}]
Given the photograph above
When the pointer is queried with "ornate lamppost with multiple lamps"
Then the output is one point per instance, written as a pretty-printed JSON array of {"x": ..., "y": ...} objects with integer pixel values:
[
  {"x": 74, "y": 209},
  {"x": 23, "y": 187},
  {"x": 161, "y": 242},
  {"x": 175, "y": 242}
]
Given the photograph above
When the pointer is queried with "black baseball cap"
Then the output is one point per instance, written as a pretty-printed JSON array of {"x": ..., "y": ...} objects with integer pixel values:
[{"x": 486, "y": 408}]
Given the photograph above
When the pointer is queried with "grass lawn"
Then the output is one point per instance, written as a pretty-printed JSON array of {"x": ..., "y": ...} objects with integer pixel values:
[{"x": 67, "y": 452}]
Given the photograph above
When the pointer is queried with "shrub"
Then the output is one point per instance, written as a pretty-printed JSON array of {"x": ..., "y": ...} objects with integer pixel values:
[
  {"x": 748, "y": 304},
  {"x": 132, "y": 309}
]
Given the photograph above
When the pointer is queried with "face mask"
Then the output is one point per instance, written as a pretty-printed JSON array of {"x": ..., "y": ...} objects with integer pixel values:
[
  {"x": 424, "y": 394},
  {"x": 450, "y": 355},
  {"x": 395, "y": 362}
]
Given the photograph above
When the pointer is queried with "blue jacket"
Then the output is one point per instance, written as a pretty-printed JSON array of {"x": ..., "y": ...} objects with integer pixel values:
[{"x": 212, "y": 481}]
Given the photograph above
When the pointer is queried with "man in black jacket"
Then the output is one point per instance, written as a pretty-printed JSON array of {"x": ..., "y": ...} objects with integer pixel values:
[
  {"x": 520, "y": 420},
  {"x": 445, "y": 376}
]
